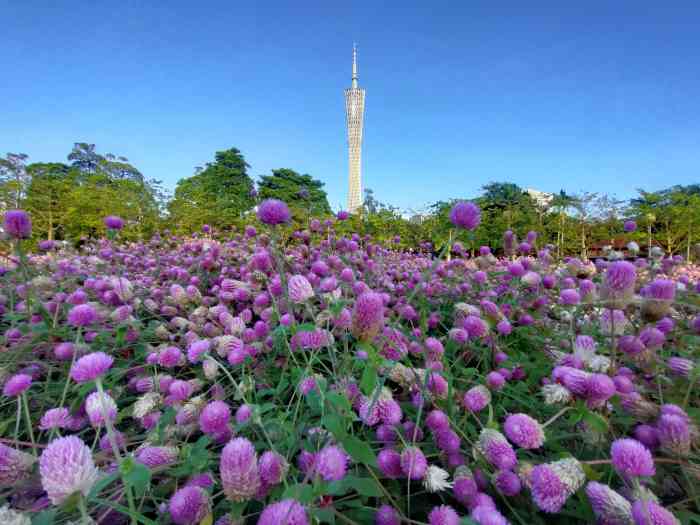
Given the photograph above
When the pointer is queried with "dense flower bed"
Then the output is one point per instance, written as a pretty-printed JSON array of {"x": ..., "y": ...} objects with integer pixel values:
[{"x": 320, "y": 377}]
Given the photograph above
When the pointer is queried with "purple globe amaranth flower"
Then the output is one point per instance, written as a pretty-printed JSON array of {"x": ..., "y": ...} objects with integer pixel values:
[
  {"x": 413, "y": 463},
  {"x": 287, "y": 512},
  {"x": 331, "y": 463},
  {"x": 154, "y": 457},
  {"x": 651, "y": 513},
  {"x": 66, "y": 467},
  {"x": 170, "y": 357},
  {"x": 599, "y": 388},
  {"x": 82, "y": 315},
  {"x": 680, "y": 366},
  {"x": 437, "y": 420},
  {"x": 243, "y": 414},
  {"x": 674, "y": 434},
  {"x": 112, "y": 222},
  {"x": 273, "y": 212},
  {"x": 239, "y": 470},
  {"x": 18, "y": 224},
  {"x": 631, "y": 459},
  {"x": 553, "y": 483},
  {"x": 661, "y": 289},
  {"x": 55, "y": 418},
  {"x": 272, "y": 467},
  {"x": 215, "y": 417},
  {"x": 343, "y": 215},
  {"x": 620, "y": 276},
  {"x": 508, "y": 483},
  {"x": 495, "y": 381},
  {"x": 629, "y": 226},
  {"x": 90, "y": 367},
  {"x": 443, "y": 515},
  {"x": 15, "y": 466},
  {"x": 495, "y": 449},
  {"x": 477, "y": 398},
  {"x": 652, "y": 338},
  {"x": 465, "y": 215},
  {"x": 387, "y": 515},
  {"x": 389, "y": 461},
  {"x": 368, "y": 315},
  {"x": 99, "y": 404},
  {"x": 524, "y": 431},
  {"x": 300, "y": 289},
  {"x": 609, "y": 507},
  {"x": 17, "y": 385},
  {"x": 189, "y": 505}
]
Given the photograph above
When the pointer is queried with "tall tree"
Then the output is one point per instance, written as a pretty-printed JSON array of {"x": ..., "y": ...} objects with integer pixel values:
[
  {"x": 14, "y": 179},
  {"x": 304, "y": 194},
  {"x": 218, "y": 195},
  {"x": 48, "y": 197}
]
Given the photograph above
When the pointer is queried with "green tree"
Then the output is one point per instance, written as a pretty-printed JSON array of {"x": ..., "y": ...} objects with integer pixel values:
[
  {"x": 303, "y": 194},
  {"x": 218, "y": 195},
  {"x": 14, "y": 180},
  {"x": 48, "y": 197}
]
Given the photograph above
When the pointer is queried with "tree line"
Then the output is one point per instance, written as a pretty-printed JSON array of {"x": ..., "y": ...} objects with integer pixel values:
[{"x": 68, "y": 201}]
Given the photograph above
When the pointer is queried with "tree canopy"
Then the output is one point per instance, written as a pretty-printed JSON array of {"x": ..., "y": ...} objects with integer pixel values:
[{"x": 303, "y": 194}]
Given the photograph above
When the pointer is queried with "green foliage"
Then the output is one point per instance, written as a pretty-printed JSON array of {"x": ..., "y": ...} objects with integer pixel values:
[
  {"x": 303, "y": 194},
  {"x": 218, "y": 195}
]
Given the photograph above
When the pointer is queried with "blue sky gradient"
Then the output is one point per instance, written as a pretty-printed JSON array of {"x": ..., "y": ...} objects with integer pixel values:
[{"x": 593, "y": 95}]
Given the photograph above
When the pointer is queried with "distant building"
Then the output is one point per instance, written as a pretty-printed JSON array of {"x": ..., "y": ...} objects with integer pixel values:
[
  {"x": 354, "y": 113},
  {"x": 541, "y": 198}
]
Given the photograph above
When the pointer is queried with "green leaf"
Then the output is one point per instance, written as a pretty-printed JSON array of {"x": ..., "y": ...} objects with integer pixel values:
[
  {"x": 45, "y": 517},
  {"x": 302, "y": 492},
  {"x": 364, "y": 486},
  {"x": 334, "y": 423},
  {"x": 359, "y": 450},
  {"x": 324, "y": 515},
  {"x": 369, "y": 380},
  {"x": 135, "y": 474},
  {"x": 595, "y": 421}
]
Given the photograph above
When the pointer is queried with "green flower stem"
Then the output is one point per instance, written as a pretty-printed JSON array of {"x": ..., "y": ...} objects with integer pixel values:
[{"x": 28, "y": 419}]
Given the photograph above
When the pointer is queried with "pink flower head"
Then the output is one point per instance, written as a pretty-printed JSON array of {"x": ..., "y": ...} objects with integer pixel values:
[
  {"x": 90, "y": 367},
  {"x": 285, "y": 512},
  {"x": 55, "y": 418},
  {"x": 273, "y": 212},
  {"x": 368, "y": 315},
  {"x": 608, "y": 506},
  {"x": 18, "y": 224},
  {"x": 189, "y": 505},
  {"x": 215, "y": 417},
  {"x": 443, "y": 515},
  {"x": 15, "y": 466},
  {"x": 272, "y": 467},
  {"x": 465, "y": 215},
  {"x": 112, "y": 222},
  {"x": 413, "y": 463},
  {"x": 631, "y": 459},
  {"x": 154, "y": 457},
  {"x": 239, "y": 470},
  {"x": 508, "y": 483},
  {"x": 661, "y": 289},
  {"x": 674, "y": 434},
  {"x": 331, "y": 463},
  {"x": 620, "y": 276},
  {"x": 477, "y": 398},
  {"x": 170, "y": 357},
  {"x": 300, "y": 289},
  {"x": 651, "y": 513},
  {"x": 82, "y": 315},
  {"x": 66, "y": 467},
  {"x": 97, "y": 405},
  {"x": 496, "y": 450},
  {"x": 524, "y": 431},
  {"x": 389, "y": 461},
  {"x": 553, "y": 483},
  {"x": 387, "y": 515},
  {"x": 16, "y": 385},
  {"x": 629, "y": 226}
]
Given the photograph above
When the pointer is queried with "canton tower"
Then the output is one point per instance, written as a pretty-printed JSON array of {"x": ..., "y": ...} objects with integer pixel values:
[{"x": 354, "y": 116}]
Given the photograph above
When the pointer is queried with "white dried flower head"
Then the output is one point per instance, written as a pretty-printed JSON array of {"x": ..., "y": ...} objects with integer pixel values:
[
  {"x": 211, "y": 368},
  {"x": 436, "y": 479},
  {"x": 555, "y": 394},
  {"x": 9, "y": 516},
  {"x": 145, "y": 404},
  {"x": 599, "y": 363},
  {"x": 162, "y": 333},
  {"x": 570, "y": 473}
]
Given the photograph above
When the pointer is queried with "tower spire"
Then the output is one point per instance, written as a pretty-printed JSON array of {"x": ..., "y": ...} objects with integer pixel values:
[{"x": 354, "y": 65}]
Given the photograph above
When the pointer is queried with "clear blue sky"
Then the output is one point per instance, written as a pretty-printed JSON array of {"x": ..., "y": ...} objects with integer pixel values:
[{"x": 595, "y": 95}]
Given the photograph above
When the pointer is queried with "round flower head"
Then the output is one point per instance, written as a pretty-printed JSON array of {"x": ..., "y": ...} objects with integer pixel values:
[
  {"x": 66, "y": 467},
  {"x": 215, "y": 417},
  {"x": 680, "y": 366},
  {"x": 608, "y": 506},
  {"x": 90, "y": 367},
  {"x": 273, "y": 211},
  {"x": 496, "y": 450},
  {"x": 300, "y": 289},
  {"x": 389, "y": 461},
  {"x": 553, "y": 483},
  {"x": 620, "y": 276},
  {"x": 285, "y": 512},
  {"x": 465, "y": 215},
  {"x": 97, "y": 405},
  {"x": 17, "y": 224},
  {"x": 651, "y": 513},
  {"x": 189, "y": 505},
  {"x": 631, "y": 459},
  {"x": 387, "y": 515},
  {"x": 436, "y": 479},
  {"x": 569, "y": 297},
  {"x": 15, "y": 466},
  {"x": 599, "y": 388},
  {"x": 55, "y": 418},
  {"x": 239, "y": 470},
  {"x": 154, "y": 457},
  {"x": 524, "y": 431},
  {"x": 661, "y": 289},
  {"x": 477, "y": 398},
  {"x": 368, "y": 315},
  {"x": 273, "y": 468},
  {"x": 112, "y": 222},
  {"x": 331, "y": 463},
  {"x": 629, "y": 226},
  {"x": 342, "y": 215},
  {"x": 443, "y": 515},
  {"x": 508, "y": 483},
  {"x": 413, "y": 463},
  {"x": 674, "y": 434},
  {"x": 16, "y": 385},
  {"x": 82, "y": 315}
]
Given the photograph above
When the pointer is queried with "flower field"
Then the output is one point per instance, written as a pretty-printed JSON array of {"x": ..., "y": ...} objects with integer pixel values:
[{"x": 316, "y": 376}]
